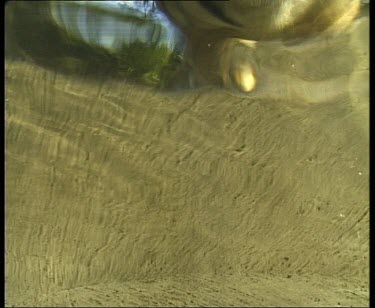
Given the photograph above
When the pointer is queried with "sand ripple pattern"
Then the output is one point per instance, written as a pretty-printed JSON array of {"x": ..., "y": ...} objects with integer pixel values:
[{"x": 118, "y": 195}]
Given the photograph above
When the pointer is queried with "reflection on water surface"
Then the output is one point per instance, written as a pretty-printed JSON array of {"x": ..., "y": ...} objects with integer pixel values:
[{"x": 135, "y": 40}]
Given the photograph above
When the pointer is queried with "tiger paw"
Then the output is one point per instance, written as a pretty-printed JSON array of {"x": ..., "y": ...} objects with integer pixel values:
[{"x": 237, "y": 65}]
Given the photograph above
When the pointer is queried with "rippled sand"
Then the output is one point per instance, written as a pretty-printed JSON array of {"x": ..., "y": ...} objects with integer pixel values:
[{"x": 117, "y": 195}]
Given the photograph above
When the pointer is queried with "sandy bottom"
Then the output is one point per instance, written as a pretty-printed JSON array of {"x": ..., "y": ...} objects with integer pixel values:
[{"x": 117, "y": 195}]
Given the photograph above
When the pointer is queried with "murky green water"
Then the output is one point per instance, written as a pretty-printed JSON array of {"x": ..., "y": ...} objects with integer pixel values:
[{"x": 122, "y": 192}]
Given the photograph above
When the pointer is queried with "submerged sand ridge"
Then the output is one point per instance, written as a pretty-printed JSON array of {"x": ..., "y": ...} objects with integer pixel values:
[
  {"x": 117, "y": 195},
  {"x": 112, "y": 184}
]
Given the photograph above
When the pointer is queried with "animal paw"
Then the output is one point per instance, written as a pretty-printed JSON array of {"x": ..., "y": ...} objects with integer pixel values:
[{"x": 237, "y": 65}]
